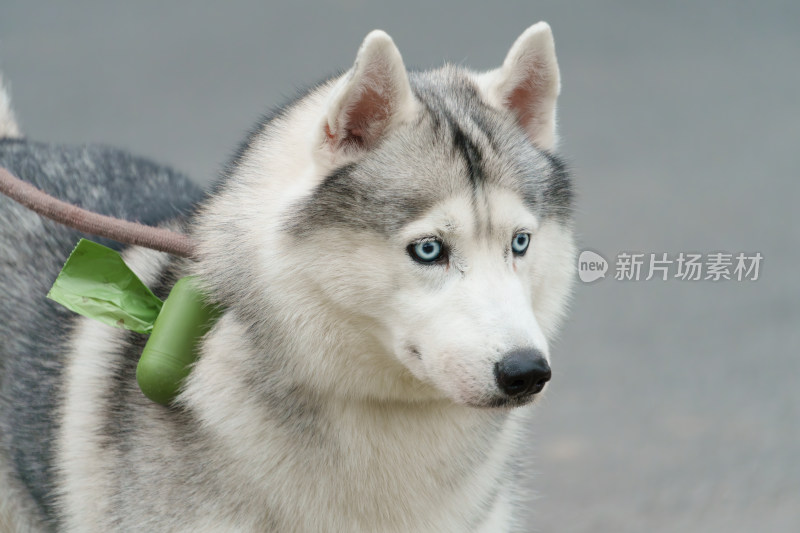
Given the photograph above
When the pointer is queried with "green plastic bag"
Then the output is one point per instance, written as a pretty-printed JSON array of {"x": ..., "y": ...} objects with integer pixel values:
[{"x": 95, "y": 282}]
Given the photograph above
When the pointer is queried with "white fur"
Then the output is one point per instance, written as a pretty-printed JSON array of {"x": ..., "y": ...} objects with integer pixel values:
[
  {"x": 405, "y": 443},
  {"x": 372, "y": 487},
  {"x": 95, "y": 354},
  {"x": 8, "y": 123}
]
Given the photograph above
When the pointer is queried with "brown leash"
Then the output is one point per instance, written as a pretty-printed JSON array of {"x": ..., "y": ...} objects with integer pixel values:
[{"x": 112, "y": 228}]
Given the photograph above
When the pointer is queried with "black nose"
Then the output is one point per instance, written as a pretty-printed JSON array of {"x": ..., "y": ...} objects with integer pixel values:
[{"x": 522, "y": 372}]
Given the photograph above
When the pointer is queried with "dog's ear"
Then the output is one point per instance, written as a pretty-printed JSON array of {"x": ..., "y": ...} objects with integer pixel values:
[
  {"x": 528, "y": 84},
  {"x": 369, "y": 98}
]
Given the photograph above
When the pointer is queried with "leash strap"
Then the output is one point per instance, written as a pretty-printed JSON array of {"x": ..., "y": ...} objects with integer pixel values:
[{"x": 80, "y": 219}]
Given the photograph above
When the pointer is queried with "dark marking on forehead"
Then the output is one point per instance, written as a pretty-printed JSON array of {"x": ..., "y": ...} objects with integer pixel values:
[
  {"x": 467, "y": 149},
  {"x": 471, "y": 154},
  {"x": 481, "y": 117},
  {"x": 434, "y": 116},
  {"x": 541, "y": 178},
  {"x": 458, "y": 100},
  {"x": 461, "y": 96}
]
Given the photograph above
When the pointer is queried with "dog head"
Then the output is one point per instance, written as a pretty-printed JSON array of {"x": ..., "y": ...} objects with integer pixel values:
[{"x": 411, "y": 231}]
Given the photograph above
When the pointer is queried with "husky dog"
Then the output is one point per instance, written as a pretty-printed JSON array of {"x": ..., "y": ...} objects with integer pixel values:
[{"x": 393, "y": 252}]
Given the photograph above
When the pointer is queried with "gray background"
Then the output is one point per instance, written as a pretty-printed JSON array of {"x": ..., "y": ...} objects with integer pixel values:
[{"x": 675, "y": 405}]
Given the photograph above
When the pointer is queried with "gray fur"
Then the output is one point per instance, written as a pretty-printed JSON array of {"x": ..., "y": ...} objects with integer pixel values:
[
  {"x": 34, "y": 328},
  {"x": 457, "y": 128}
]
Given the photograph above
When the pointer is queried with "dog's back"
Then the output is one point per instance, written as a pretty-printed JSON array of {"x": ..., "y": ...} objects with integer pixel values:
[{"x": 34, "y": 329}]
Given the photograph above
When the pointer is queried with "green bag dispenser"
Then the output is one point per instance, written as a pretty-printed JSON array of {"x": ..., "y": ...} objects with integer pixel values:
[
  {"x": 172, "y": 347},
  {"x": 95, "y": 282}
]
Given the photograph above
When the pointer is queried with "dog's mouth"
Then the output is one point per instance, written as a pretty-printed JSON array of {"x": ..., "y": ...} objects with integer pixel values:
[{"x": 504, "y": 402}]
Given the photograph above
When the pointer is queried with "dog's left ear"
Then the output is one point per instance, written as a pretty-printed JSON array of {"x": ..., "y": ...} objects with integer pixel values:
[
  {"x": 370, "y": 98},
  {"x": 528, "y": 84}
]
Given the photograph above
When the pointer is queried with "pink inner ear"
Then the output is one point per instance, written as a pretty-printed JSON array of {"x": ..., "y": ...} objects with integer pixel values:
[
  {"x": 529, "y": 97},
  {"x": 367, "y": 117},
  {"x": 523, "y": 101}
]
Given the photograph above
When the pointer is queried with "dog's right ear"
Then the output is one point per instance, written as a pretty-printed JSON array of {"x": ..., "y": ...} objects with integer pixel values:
[{"x": 369, "y": 99}]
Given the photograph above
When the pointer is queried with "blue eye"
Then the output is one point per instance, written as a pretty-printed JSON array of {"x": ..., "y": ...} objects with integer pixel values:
[
  {"x": 520, "y": 243},
  {"x": 426, "y": 251}
]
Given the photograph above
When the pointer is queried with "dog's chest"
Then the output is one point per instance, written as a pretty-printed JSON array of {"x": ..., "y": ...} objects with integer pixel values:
[{"x": 384, "y": 471}]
